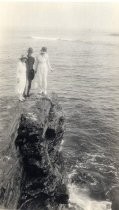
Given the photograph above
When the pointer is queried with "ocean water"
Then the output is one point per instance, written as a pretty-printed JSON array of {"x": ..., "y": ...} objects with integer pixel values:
[{"x": 86, "y": 79}]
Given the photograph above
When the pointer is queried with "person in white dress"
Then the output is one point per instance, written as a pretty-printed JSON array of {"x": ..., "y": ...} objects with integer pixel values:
[
  {"x": 21, "y": 77},
  {"x": 42, "y": 68}
]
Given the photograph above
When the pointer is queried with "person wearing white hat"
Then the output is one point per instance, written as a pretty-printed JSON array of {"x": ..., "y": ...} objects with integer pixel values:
[
  {"x": 42, "y": 68},
  {"x": 21, "y": 77}
]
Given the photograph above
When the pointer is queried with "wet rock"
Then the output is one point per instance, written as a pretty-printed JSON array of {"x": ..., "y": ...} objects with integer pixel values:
[
  {"x": 34, "y": 177},
  {"x": 114, "y": 197}
]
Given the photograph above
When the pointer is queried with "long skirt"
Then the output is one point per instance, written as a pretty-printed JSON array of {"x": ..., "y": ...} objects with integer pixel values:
[{"x": 41, "y": 79}]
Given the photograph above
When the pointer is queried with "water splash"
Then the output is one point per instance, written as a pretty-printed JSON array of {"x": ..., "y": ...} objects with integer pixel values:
[{"x": 80, "y": 200}]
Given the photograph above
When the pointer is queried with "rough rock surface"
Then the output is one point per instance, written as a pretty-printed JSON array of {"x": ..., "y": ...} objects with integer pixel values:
[{"x": 33, "y": 174}]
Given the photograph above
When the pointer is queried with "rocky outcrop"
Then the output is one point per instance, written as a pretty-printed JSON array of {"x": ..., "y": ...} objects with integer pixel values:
[{"x": 33, "y": 174}]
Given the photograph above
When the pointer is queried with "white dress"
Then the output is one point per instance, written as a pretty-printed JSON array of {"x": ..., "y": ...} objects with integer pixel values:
[
  {"x": 21, "y": 77},
  {"x": 42, "y": 68}
]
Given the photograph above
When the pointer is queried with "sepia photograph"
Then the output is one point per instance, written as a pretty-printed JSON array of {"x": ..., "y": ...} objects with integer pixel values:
[{"x": 59, "y": 105}]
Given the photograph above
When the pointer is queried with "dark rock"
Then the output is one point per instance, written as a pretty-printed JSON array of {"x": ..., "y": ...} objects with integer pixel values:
[
  {"x": 34, "y": 175},
  {"x": 114, "y": 197}
]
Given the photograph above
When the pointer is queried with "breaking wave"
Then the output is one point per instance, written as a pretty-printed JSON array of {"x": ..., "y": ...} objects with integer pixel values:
[
  {"x": 76, "y": 39},
  {"x": 52, "y": 38},
  {"x": 80, "y": 200}
]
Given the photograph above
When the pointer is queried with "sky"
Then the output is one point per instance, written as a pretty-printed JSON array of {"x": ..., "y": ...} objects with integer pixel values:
[{"x": 61, "y": 16}]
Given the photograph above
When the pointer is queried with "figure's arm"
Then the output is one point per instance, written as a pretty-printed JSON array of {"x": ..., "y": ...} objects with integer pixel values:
[
  {"x": 33, "y": 60},
  {"x": 36, "y": 64},
  {"x": 48, "y": 63},
  {"x": 18, "y": 72}
]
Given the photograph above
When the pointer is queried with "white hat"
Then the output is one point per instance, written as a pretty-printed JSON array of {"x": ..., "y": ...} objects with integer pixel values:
[{"x": 23, "y": 57}]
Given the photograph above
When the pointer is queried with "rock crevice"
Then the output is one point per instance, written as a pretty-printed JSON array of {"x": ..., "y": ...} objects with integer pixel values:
[{"x": 34, "y": 176}]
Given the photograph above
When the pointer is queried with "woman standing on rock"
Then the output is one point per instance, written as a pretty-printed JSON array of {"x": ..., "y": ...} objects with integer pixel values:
[
  {"x": 42, "y": 68},
  {"x": 21, "y": 77}
]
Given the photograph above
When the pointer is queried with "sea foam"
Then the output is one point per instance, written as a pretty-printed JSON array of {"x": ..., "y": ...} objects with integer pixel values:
[
  {"x": 80, "y": 200},
  {"x": 52, "y": 38}
]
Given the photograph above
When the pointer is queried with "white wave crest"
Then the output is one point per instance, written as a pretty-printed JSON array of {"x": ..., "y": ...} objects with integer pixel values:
[
  {"x": 80, "y": 200},
  {"x": 51, "y": 38},
  {"x": 45, "y": 38}
]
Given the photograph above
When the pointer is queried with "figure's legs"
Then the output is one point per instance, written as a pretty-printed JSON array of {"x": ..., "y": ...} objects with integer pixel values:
[
  {"x": 21, "y": 97},
  {"x": 28, "y": 87},
  {"x": 40, "y": 83},
  {"x": 21, "y": 90},
  {"x": 45, "y": 83}
]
